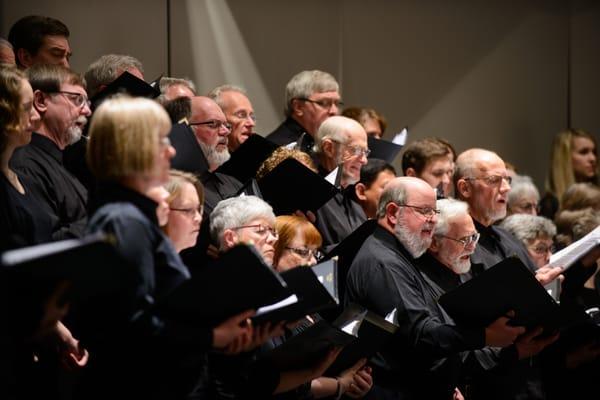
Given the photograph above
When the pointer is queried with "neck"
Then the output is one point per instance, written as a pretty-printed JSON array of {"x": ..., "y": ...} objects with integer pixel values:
[
  {"x": 44, "y": 131},
  {"x": 303, "y": 125},
  {"x": 140, "y": 185},
  {"x": 481, "y": 219}
]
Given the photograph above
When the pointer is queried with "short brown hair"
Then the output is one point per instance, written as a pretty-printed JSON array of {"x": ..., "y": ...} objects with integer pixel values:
[
  {"x": 288, "y": 226},
  {"x": 49, "y": 78},
  {"x": 418, "y": 153},
  {"x": 124, "y": 137},
  {"x": 361, "y": 114}
]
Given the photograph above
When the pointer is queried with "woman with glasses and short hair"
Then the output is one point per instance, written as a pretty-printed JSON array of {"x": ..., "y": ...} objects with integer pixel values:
[
  {"x": 298, "y": 243},
  {"x": 535, "y": 232}
]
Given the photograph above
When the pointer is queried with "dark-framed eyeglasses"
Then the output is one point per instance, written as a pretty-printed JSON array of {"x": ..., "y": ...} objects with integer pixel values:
[
  {"x": 324, "y": 103},
  {"x": 427, "y": 212},
  {"x": 466, "y": 241},
  {"x": 492, "y": 180},
  {"x": 189, "y": 212},
  {"x": 213, "y": 124},
  {"x": 542, "y": 249},
  {"x": 78, "y": 99},
  {"x": 262, "y": 230},
  {"x": 306, "y": 253},
  {"x": 242, "y": 114}
]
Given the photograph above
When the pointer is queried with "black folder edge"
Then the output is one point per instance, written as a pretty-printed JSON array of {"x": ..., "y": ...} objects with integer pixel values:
[
  {"x": 293, "y": 172},
  {"x": 313, "y": 295},
  {"x": 191, "y": 303},
  {"x": 247, "y": 159},
  {"x": 508, "y": 285}
]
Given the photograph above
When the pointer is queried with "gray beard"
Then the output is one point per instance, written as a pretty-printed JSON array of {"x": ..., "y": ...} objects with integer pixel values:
[
  {"x": 411, "y": 241},
  {"x": 214, "y": 157},
  {"x": 74, "y": 134}
]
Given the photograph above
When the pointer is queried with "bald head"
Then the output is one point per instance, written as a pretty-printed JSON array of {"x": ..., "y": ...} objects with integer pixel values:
[
  {"x": 402, "y": 190},
  {"x": 211, "y": 130},
  {"x": 482, "y": 181}
]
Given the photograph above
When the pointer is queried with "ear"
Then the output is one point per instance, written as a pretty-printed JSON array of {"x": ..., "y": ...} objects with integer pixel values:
[
  {"x": 328, "y": 147},
  {"x": 24, "y": 57},
  {"x": 463, "y": 188},
  {"x": 391, "y": 213},
  {"x": 410, "y": 172},
  {"x": 435, "y": 245},
  {"x": 359, "y": 190},
  {"x": 296, "y": 109},
  {"x": 230, "y": 238},
  {"x": 39, "y": 102}
]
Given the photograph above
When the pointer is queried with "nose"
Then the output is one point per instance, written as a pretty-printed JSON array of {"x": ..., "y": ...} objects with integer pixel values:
[
  {"x": 34, "y": 117},
  {"x": 504, "y": 186},
  {"x": 65, "y": 62},
  {"x": 333, "y": 110},
  {"x": 86, "y": 110},
  {"x": 312, "y": 260},
  {"x": 171, "y": 152}
]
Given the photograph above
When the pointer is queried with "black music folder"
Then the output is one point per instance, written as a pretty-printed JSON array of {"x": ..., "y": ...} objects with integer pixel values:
[
  {"x": 239, "y": 280},
  {"x": 359, "y": 331},
  {"x": 508, "y": 285},
  {"x": 291, "y": 186},
  {"x": 315, "y": 289},
  {"x": 383, "y": 149},
  {"x": 189, "y": 156},
  {"x": 90, "y": 267},
  {"x": 126, "y": 83},
  {"x": 247, "y": 159}
]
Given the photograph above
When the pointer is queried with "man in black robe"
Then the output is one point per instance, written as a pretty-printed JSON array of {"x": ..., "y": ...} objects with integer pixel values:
[
  {"x": 310, "y": 98},
  {"x": 61, "y": 100}
]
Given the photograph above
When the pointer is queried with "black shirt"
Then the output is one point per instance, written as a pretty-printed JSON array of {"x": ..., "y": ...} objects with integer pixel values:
[
  {"x": 290, "y": 131},
  {"x": 338, "y": 218},
  {"x": 64, "y": 198},
  {"x": 23, "y": 221},
  {"x": 423, "y": 359}
]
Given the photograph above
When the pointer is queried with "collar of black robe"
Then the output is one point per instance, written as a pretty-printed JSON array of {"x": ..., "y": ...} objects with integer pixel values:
[
  {"x": 47, "y": 146},
  {"x": 443, "y": 276},
  {"x": 108, "y": 192}
]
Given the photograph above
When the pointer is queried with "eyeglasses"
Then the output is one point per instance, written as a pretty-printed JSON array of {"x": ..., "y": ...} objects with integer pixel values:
[
  {"x": 245, "y": 115},
  {"x": 306, "y": 253},
  {"x": 355, "y": 151},
  {"x": 527, "y": 206},
  {"x": 466, "y": 241},
  {"x": 189, "y": 212},
  {"x": 262, "y": 230},
  {"x": 213, "y": 124},
  {"x": 324, "y": 103},
  {"x": 493, "y": 180},
  {"x": 78, "y": 99},
  {"x": 542, "y": 249},
  {"x": 424, "y": 211}
]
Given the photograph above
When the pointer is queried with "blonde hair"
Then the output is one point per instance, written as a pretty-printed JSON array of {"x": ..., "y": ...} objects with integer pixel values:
[
  {"x": 176, "y": 181},
  {"x": 287, "y": 227},
  {"x": 11, "y": 107},
  {"x": 281, "y": 154},
  {"x": 561, "y": 174},
  {"x": 124, "y": 137}
]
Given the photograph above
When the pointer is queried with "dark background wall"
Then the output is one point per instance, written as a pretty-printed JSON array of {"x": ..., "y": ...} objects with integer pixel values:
[{"x": 496, "y": 74}]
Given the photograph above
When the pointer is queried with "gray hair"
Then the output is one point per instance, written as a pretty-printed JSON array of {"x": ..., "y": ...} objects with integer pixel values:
[
  {"x": 5, "y": 43},
  {"x": 305, "y": 83},
  {"x": 235, "y": 212},
  {"x": 450, "y": 209},
  {"x": 167, "y": 81},
  {"x": 217, "y": 92},
  {"x": 393, "y": 193},
  {"x": 522, "y": 185},
  {"x": 108, "y": 68},
  {"x": 526, "y": 227}
]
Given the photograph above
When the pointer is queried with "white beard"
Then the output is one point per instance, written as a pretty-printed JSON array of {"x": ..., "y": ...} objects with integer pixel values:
[
  {"x": 413, "y": 242},
  {"x": 214, "y": 157}
]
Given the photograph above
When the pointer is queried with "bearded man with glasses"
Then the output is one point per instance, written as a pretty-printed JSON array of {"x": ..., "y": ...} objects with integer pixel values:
[{"x": 61, "y": 100}]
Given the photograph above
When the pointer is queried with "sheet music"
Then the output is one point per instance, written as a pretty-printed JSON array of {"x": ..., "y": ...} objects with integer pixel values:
[
  {"x": 400, "y": 138},
  {"x": 280, "y": 304},
  {"x": 570, "y": 254}
]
